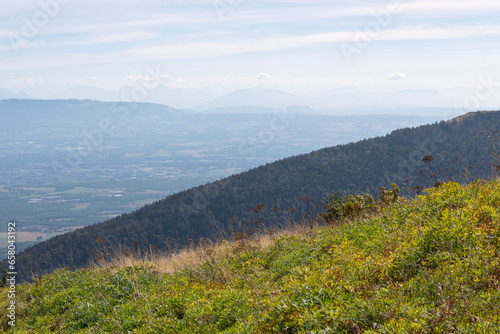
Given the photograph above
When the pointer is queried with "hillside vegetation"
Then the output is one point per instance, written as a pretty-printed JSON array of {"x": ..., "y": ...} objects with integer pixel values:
[
  {"x": 427, "y": 265},
  {"x": 462, "y": 149}
]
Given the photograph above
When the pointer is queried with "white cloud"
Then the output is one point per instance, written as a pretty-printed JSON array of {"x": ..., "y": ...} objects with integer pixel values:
[
  {"x": 29, "y": 81},
  {"x": 5, "y": 33},
  {"x": 201, "y": 50},
  {"x": 142, "y": 79},
  {"x": 120, "y": 37},
  {"x": 450, "y": 7},
  {"x": 396, "y": 76},
  {"x": 264, "y": 76},
  {"x": 182, "y": 51}
]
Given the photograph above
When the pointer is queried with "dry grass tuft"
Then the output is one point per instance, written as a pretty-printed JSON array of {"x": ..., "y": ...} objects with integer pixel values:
[{"x": 166, "y": 262}]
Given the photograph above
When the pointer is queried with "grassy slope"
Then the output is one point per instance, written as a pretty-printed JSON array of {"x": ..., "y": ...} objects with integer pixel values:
[{"x": 429, "y": 265}]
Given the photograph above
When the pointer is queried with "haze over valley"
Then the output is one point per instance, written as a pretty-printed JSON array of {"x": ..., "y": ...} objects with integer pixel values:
[{"x": 69, "y": 163}]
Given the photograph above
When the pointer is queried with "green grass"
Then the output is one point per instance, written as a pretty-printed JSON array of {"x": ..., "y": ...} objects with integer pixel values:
[
  {"x": 430, "y": 265},
  {"x": 80, "y": 206},
  {"x": 79, "y": 190},
  {"x": 42, "y": 189}
]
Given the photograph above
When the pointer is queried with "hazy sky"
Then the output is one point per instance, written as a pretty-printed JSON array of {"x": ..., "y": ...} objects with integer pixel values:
[{"x": 297, "y": 45}]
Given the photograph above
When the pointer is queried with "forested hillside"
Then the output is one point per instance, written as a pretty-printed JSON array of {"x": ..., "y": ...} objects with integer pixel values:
[{"x": 460, "y": 149}]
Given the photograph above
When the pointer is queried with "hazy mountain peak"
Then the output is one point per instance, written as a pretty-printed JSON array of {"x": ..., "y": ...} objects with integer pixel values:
[{"x": 257, "y": 97}]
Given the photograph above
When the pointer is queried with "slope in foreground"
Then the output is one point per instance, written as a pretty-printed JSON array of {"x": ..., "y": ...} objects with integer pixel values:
[{"x": 428, "y": 265}]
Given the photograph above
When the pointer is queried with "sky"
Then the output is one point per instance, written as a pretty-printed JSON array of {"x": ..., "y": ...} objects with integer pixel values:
[{"x": 297, "y": 46}]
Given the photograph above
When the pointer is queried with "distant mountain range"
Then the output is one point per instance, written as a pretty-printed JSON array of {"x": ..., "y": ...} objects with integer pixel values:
[
  {"x": 267, "y": 98},
  {"x": 292, "y": 188},
  {"x": 339, "y": 98},
  {"x": 7, "y": 94},
  {"x": 206, "y": 99}
]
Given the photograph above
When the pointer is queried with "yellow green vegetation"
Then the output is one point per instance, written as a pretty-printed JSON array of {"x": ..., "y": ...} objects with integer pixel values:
[{"x": 430, "y": 265}]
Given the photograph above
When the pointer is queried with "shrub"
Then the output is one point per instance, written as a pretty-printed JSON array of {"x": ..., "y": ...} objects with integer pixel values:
[{"x": 339, "y": 208}]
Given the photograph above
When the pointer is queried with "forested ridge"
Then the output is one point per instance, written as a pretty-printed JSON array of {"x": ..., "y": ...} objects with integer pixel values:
[{"x": 290, "y": 189}]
